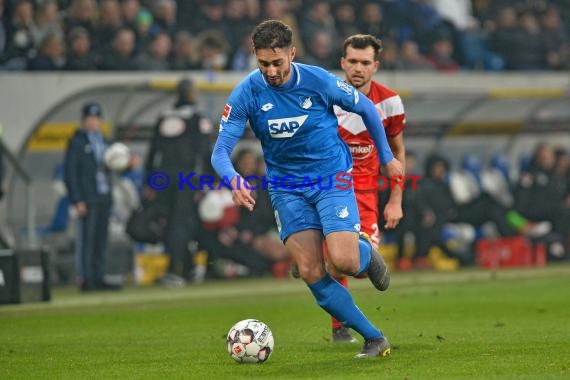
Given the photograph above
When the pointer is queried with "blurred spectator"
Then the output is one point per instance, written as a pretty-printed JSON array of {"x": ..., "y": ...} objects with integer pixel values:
[
  {"x": 467, "y": 36},
  {"x": 155, "y": 57},
  {"x": 144, "y": 29},
  {"x": 538, "y": 195},
  {"x": 122, "y": 53},
  {"x": 222, "y": 240},
  {"x": 129, "y": 12},
  {"x": 247, "y": 238},
  {"x": 213, "y": 50},
  {"x": 345, "y": 19},
  {"x": 372, "y": 21},
  {"x": 183, "y": 55},
  {"x": 486, "y": 10},
  {"x": 47, "y": 21},
  {"x": 51, "y": 54},
  {"x": 20, "y": 40},
  {"x": 165, "y": 16},
  {"x": 210, "y": 16},
  {"x": 110, "y": 20},
  {"x": 436, "y": 208},
  {"x": 390, "y": 54},
  {"x": 418, "y": 20},
  {"x": 505, "y": 34},
  {"x": 441, "y": 56},
  {"x": 321, "y": 51},
  {"x": 79, "y": 55},
  {"x": 244, "y": 59},
  {"x": 529, "y": 51},
  {"x": 237, "y": 23},
  {"x": 253, "y": 11},
  {"x": 317, "y": 18},
  {"x": 555, "y": 39},
  {"x": 181, "y": 143},
  {"x": 411, "y": 58},
  {"x": 257, "y": 228},
  {"x": 478, "y": 34},
  {"x": 295, "y": 6},
  {"x": 518, "y": 40},
  {"x": 82, "y": 13}
]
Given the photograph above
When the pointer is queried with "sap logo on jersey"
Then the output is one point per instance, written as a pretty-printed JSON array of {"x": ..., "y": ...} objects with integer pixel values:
[{"x": 285, "y": 128}]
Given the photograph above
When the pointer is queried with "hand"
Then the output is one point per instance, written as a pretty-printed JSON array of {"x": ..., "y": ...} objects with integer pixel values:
[
  {"x": 394, "y": 169},
  {"x": 81, "y": 209},
  {"x": 241, "y": 194},
  {"x": 393, "y": 214}
]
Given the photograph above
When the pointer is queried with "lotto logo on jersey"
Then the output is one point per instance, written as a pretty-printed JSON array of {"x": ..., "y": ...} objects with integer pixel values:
[{"x": 285, "y": 128}]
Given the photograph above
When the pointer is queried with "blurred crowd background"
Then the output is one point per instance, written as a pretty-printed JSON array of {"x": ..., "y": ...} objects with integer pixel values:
[
  {"x": 446, "y": 35},
  {"x": 462, "y": 200}
]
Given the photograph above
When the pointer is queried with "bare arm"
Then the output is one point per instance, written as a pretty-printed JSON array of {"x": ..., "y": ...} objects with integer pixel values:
[{"x": 393, "y": 210}]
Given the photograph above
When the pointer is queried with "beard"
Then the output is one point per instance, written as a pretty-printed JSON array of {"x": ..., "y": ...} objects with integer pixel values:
[
  {"x": 280, "y": 78},
  {"x": 357, "y": 82}
]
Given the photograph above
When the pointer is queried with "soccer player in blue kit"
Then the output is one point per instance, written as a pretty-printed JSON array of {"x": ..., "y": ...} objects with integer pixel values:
[{"x": 290, "y": 109}]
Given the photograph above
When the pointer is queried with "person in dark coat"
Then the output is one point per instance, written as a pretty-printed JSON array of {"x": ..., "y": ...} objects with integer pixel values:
[
  {"x": 180, "y": 144},
  {"x": 89, "y": 187}
]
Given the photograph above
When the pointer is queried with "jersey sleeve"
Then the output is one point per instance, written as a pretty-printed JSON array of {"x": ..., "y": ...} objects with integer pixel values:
[
  {"x": 232, "y": 126},
  {"x": 395, "y": 118},
  {"x": 344, "y": 95}
]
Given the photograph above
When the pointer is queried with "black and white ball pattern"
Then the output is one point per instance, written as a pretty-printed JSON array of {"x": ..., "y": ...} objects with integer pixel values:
[{"x": 250, "y": 341}]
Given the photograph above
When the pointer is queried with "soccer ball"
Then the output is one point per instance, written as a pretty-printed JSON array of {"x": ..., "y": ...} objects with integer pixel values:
[
  {"x": 117, "y": 157},
  {"x": 250, "y": 341}
]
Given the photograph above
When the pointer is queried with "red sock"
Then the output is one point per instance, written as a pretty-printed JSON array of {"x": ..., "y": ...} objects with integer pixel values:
[{"x": 344, "y": 282}]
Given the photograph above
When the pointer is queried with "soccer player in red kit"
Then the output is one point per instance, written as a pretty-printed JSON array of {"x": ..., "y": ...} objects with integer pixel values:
[{"x": 360, "y": 61}]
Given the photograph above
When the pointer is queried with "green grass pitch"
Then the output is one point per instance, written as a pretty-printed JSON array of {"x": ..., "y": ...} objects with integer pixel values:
[{"x": 512, "y": 324}]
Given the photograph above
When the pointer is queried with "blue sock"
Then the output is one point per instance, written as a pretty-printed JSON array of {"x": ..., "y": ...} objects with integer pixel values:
[
  {"x": 364, "y": 248},
  {"x": 337, "y": 301}
]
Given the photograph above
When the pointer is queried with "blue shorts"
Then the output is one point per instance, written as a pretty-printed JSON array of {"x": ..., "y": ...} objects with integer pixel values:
[{"x": 327, "y": 210}]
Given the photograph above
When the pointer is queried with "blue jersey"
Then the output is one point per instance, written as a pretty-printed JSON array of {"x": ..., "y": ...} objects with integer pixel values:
[{"x": 295, "y": 123}]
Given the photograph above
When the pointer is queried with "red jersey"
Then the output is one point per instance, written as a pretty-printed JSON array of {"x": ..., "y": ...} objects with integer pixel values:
[{"x": 352, "y": 130}]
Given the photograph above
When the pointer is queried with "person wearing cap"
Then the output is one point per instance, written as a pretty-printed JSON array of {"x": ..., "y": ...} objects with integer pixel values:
[
  {"x": 88, "y": 184},
  {"x": 180, "y": 144}
]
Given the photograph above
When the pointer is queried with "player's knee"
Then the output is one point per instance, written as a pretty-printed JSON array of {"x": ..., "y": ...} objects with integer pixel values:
[
  {"x": 311, "y": 274},
  {"x": 346, "y": 264}
]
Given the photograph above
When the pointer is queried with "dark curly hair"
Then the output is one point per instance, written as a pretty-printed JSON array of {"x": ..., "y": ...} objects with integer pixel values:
[
  {"x": 272, "y": 34},
  {"x": 362, "y": 41}
]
